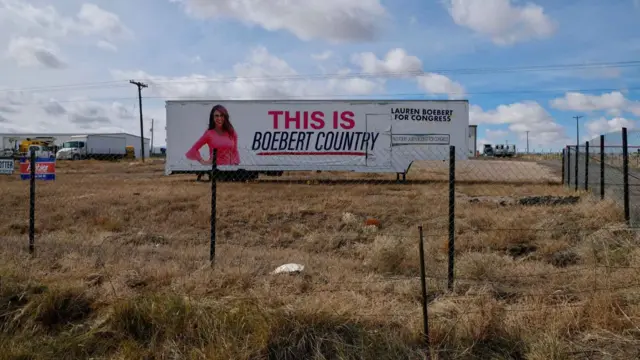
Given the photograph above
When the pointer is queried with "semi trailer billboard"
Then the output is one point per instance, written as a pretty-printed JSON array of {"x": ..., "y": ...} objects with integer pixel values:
[{"x": 332, "y": 135}]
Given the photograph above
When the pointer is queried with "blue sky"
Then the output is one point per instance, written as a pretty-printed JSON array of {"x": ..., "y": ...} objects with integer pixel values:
[{"x": 178, "y": 46}]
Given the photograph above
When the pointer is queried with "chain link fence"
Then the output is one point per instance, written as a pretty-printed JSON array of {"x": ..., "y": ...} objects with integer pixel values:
[
  {"x": 506, "y": 260},
  {"x": 605, "y": 167}
]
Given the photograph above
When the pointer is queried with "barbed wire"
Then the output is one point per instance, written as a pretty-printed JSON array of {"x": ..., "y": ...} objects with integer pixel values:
[{"x": 380, "y": 279}]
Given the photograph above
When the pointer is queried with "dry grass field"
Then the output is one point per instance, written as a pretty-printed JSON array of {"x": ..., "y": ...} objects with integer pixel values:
[{"x": 121, "y": 267}]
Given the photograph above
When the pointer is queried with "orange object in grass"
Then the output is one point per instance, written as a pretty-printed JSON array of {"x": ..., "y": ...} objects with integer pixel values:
[{"x": 372, "y": 221}]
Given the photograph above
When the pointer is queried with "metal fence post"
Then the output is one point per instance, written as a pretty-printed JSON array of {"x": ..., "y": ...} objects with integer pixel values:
[
  {"x": 625, "y": 170},
  {"x": 32, "y": 201},
  {"x": 425, "y": 314},
  {"x": 586, "y": 166},
  {"x": 569, "y": 165},
  {"x": 564, "y": 156},
  {"x": 452, "y": 203},
  {"x": 214, "y": 168},
  {"x": 577, "y": 175},
  {"x": 601, "y": 167}
]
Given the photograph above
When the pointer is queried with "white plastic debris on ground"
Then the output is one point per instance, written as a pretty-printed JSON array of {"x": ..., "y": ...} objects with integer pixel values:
[
  {"x": 288, "y": 268},
  {"x": 349, "y": 218}
]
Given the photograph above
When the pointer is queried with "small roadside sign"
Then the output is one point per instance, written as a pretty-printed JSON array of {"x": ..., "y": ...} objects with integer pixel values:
[
  {"x": 45, "y": 169},
  {"x": 6, "y": 166}
]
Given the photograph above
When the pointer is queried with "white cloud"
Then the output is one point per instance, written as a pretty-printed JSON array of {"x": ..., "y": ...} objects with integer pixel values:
[
  {"x": 93, "y": 20},
  {"x": 614, "y": 103},
  {"x": 35, "y": 113},
  {"x": 502, "y": 21},
  {"x": 326, "y": 55},
  {"x": 249, "y": 79},
  {"x": 398, "y": 63},
  {"x": 87, "y": 114},
  {"x": 520, "y": 118},
  {"x": 440, "y": 84},
  {"x": 333, "y": 20},
  {"x": 53, "y": 108},
  {"x": 47, "y": 21},
  {"x": 7, "y": 109},
  {"x": 35, "y": 52},
  {"x": 603, "y": 126},
  {"x": 105, "y": 45},
  {"x": 261, "y": 75},
  {"x": 395, "y": 61}
]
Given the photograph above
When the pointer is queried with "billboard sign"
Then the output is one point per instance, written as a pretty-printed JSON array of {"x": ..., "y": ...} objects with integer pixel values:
[
  {"x": 45, "y": 169},
  {"x": 313, "y": 135}
]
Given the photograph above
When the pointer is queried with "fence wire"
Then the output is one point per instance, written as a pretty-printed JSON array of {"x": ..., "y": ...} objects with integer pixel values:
[
  {"x": 602, "y": 166},
  {"x": 529, "y": 253}
]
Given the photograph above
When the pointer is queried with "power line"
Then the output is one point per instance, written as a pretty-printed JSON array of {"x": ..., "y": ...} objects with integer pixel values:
[
  {"x": 98, "y": 84},
  {"x": 413, "y": 73},
  {"x": 330, "y": 96}
]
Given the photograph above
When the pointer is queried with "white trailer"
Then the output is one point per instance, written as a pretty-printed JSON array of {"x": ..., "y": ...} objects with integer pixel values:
[
  {"x": 272, "y": 136},
  {"x": 134, "y": 141},
  {"x": 93, "y": 146}
]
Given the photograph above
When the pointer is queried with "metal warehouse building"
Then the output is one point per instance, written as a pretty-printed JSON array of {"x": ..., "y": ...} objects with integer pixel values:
[{"x": 11, "y": 140}]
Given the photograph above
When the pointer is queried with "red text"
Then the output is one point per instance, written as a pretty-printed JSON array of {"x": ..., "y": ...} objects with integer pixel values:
[
  {"x": 344, "y": 121},
  {"x": 305, "y": 120}
]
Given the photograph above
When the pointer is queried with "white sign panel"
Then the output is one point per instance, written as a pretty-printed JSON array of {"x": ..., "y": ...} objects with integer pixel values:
[
  {"x": 6, "y": 166},
  {"x": 371, "y": 136},
  {"x": 420, "y": 139}
]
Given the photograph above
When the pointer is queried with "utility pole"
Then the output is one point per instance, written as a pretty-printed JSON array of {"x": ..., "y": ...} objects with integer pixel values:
[
  {"x": 527, "y": 141},
  {"x": 577, "y": 132},
  {"x": 140, "y": 86},
  {"x": 152, "y": 128}
]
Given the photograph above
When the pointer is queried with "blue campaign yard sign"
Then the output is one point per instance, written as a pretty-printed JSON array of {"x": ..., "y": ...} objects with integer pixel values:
[{"x": 45, "y": 169}]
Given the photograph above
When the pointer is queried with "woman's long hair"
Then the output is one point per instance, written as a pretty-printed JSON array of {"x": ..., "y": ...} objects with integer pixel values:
[{"x": 226, "y": 125}]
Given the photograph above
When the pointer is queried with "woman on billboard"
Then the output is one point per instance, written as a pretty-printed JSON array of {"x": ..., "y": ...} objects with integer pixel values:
[{"x": 219, "y": 135}]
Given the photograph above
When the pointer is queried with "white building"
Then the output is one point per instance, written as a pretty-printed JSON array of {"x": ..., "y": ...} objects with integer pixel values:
[{"x": 12, "y": 140}]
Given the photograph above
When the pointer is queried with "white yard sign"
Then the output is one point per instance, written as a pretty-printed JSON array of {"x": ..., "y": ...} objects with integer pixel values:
[
  {"x": 363, "y": 136},
  {"x": 6, "y": 166}
]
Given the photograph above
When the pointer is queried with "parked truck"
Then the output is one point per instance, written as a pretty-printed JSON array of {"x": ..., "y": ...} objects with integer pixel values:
[
  {"x": 24, "y": 145},
  {"x": 273, "y": 136},
  {"x": 93, "y": 146},
  {"x": 510, "y": 150},
  {"x": 488, "y": 150},
  {"x": 505, "y": 150}
]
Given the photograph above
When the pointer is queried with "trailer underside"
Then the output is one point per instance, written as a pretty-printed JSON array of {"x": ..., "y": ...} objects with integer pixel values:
[{"x": 247, "y": 175}]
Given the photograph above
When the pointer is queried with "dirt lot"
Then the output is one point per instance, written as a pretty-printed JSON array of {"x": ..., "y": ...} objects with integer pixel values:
[{"x": 121, "y": 267}]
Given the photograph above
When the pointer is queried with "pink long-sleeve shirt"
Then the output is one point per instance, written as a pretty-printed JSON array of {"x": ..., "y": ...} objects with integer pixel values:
[{"x": 227, "y": 148}]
